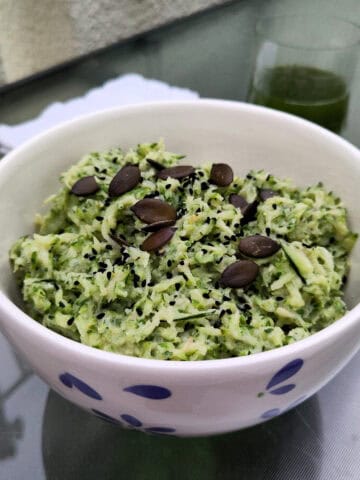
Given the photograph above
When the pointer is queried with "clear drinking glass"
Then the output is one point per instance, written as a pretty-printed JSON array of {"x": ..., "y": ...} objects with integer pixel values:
[{"x": 304, "y": 66}]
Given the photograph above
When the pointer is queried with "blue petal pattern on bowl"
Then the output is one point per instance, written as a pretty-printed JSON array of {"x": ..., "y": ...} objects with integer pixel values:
[
  {"x": 70, "y": 381},
  {"x": 149, "y": 391},
  {"x": 284, "y": 389},
  {"x": 274, "y": 412},
  {"x": 286, "y": 372},
  {"x": 133, "y": 421},
  {"x": 136, "y": 423}
]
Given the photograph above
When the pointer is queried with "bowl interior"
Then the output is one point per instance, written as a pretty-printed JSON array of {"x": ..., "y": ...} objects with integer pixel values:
[{"x": 245, "y": 136}]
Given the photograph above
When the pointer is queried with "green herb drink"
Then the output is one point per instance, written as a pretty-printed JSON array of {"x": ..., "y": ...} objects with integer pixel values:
[
  {"x": 317, "y": 95},
  {"x": 304, "y": 66}
]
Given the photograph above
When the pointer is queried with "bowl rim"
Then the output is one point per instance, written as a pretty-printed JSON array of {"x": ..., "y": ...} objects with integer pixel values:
[{"x": 12, "y": 313}]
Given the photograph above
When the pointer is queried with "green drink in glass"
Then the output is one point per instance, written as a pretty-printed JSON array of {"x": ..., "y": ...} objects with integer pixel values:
[{"x": 304, "y": 67}]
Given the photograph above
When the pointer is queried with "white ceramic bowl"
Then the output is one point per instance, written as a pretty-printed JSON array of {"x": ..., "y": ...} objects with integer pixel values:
[{"x": 182, "y": 398}]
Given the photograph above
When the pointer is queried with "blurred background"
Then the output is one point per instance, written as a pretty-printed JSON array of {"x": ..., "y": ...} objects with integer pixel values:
[
  {"x": 38, "y": 34},
  {"x": 209, "y": 46},
  {"x": 35, "y": 35}
]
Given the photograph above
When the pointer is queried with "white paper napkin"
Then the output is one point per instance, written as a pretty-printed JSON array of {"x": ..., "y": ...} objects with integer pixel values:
[{"x": 124, "y": 90}]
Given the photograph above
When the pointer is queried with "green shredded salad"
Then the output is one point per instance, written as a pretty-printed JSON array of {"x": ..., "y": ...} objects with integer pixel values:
[{"x": 170, "y": 304}]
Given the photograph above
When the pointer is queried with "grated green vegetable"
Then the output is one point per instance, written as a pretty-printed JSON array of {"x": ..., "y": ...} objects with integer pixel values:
[{"x": 77, "y": 281}]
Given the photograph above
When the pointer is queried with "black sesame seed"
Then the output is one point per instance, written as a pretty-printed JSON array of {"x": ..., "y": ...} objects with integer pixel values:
[
  {"x": 216, "y": 285},
  {"x": 97, "y": 169},
  {"x": 226, "y": 298},
  {"x": 61, "y": 304},
  {"x": 94, "y": 251},
  {"x": 204, "y": 186},
  {"x": 92, "y": 257},
  {"x": 236, "y": 225},
  {"x": 229, "y": 311},
  {"x": 108, "y": 275},
  {"x": 207, "y": 220},
  {"x": 139, "y": 311},
  {"x": 86, "y": 255},
  {"x": 206, "y": 295},
  {"x": 151, "y": 284},
  {"x": 279, "y": 299},
  {"x": 143, "y": 283},
  {"x": 114, "y": 160},
  {"x": 99, "y": 218},
  {"x": 217, "y": 324},
  {"x": 168, "y": 186},
  {"x": 70, "y": 321},
  {"x": 233, "y": 238},
  {"x": 169, "y": 262},
  {"x": 101, "y": 315},
  {"x": 102, "y": 178},
  {"x": 108, "y": 247},
  {"x": 181, "y": 262},
  {"x": 102, "y": 265},
  {"x": 168, "y": 275},
  {"x": 119, "y": 261},
  {"x": 267, "y": 231},
  {"x": 222, "y": 312},
  {"x": 76, "y": 282},
  {"x": 274, "y": 206},
  {"x": 177, "y": 286},
  {"x": 172, "y": 302},
  {"x": 191, "y": 191},
  {"x": 286, "y": 328}
]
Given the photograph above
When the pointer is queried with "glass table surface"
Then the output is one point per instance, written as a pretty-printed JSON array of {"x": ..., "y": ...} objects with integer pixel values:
[{"x": 42, "y": 436}]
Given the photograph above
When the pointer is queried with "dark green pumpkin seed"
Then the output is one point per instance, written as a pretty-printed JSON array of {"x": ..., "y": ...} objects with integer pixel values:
[
  {"x": 258, "y": 246},
  {"x": 153, "y": 210},
  {"x": 239, "y": 274},
  {"x": 157, "y": 239},
  {"x": 180, "y": 171},
  {"x": 221, "y": 174},
  {"x": 85, "y": 186},
  {"x": 125, "y": 180}
]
